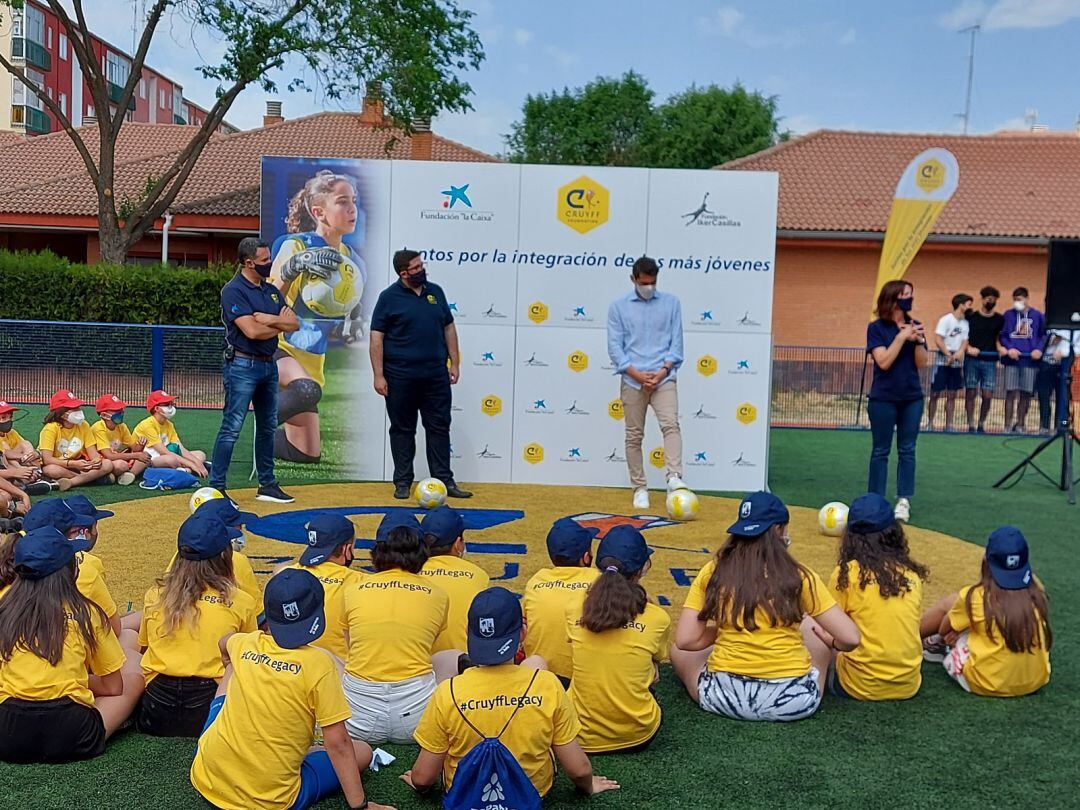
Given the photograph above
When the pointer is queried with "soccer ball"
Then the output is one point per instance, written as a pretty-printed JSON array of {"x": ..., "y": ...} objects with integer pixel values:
[
  {"x": 832, "y": 519},
  {"x": 682, "y": 504},
  {"x": 430, "y": 492},
  {"x": 333, "y": 297},
  {"x": 201, "y": 496}
]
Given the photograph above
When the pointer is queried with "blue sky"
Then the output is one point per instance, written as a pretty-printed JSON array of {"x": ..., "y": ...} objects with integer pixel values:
[{"x": 893, "y": 66}]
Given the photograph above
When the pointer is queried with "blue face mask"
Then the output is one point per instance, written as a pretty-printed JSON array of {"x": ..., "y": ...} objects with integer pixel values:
[
  {"x": 905, "y": 304},
  {"x": 117, "y": 418}
]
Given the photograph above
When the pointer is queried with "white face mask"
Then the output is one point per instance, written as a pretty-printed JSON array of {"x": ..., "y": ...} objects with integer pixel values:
[
  {"x": 75, "y": 417},
  {"x": 168, "y": 411},
  {"x": 1019, "y": 306},
  {"x": 646, "y": 291}
]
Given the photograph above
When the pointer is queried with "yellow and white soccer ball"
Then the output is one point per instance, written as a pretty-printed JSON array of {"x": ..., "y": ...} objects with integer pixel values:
[
  {"x": 682, "y": 504},
  {"x": 333, "y": 297},
  {"x": 832, "y": 519},
  {"x": 430, "y": 492},
  {"x": 201, "y": 496}
]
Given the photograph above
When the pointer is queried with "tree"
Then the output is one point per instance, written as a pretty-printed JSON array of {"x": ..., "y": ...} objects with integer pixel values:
[
  {"x": 613, "y": 122},
  {"x": 414, "y": 48},
  {"x": 600, "y": 123}
]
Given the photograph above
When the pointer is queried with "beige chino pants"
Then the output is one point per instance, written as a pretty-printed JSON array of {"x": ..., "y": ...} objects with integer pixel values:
[{"x": 665, "y": 404}]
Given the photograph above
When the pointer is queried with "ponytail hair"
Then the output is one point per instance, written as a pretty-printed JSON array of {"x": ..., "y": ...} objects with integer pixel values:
[
  {"x": 299, "y": 218},
  {"x": 614, "y": 599}
]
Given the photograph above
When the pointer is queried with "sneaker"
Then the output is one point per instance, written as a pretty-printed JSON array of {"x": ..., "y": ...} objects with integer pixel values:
[
  {"x": 38, "y": 488},
  {"x": 126, "y": 478},
  {"x": 454, "y": 491},
  {"x": 274, "y": 493},
  {"x": 903, "y": 510},
  {"x": 641, "y": 498},
  {"x": 64, "y": 484},
  {"x": 674, "y": 483},
  {"x": 934, "y": 649},
  {"x": 401, "y": 491}
]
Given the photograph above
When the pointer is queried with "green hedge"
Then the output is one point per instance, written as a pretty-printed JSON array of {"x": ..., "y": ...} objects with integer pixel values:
[{"x": 43, "y": 286}]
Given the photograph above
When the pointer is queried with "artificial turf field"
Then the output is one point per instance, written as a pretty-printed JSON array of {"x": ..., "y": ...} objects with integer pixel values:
[{"x": 943, "y": 748}]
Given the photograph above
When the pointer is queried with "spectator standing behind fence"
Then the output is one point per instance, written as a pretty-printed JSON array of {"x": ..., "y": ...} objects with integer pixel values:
[
  {"x": 1020, "y": 344},
  {"x": 980, "y": 368},
  {"x": 254, "y": 314},
  {"x": 951, "y": 340},
  {"x": 898, "y": 345}
]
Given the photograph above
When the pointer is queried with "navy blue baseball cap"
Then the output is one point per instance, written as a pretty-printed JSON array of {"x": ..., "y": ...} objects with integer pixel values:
[
  {"x": 1007, "y": 557},
  {"x": 870, "y": 513},
  {"x": 325, "y": 532},
  {"x": 758, "y": 512},
  {"x": 57, "y": 514},
  {"x": 81, "y": 505},
  {"x": 495, "y": 627},
  {"x": 225, "y": 511},
  {"x": 202, "y": 537},
  {"x": 293, "y": 604},
  {"x": 44, "y": 551},
  {"x": 627, "y": 545},
  {"x": 396, "y": 519},
  {"x": 569, "y": 539},
  {"x": 445, "y": 523}
]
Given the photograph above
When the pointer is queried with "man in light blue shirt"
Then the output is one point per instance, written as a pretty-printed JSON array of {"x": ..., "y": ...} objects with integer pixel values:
[{"x": 645, "y": 343}]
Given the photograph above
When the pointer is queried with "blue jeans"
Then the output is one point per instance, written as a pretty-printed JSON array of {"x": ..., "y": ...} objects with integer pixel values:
[
  {"x": 247, "y": 382},
  {"x": 886, "y": 418}
]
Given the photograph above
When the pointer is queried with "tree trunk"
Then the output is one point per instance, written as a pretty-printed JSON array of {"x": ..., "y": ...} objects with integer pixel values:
[{"x": 114, "y": 243}]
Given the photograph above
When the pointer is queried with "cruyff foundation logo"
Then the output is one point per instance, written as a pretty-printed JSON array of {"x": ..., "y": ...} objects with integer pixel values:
[{"x": 582, "y": 204}]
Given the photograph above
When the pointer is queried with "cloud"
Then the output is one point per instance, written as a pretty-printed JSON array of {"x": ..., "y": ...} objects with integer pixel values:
[
  {"x": 565, "y": 59},
  {"x": 724, "y": 21},
  {"x": 1011, "y": 14},
  {"x": 522, "y": 36},
  {"x": 729, "y": 22},
  {"x": 848, "y": 37}
]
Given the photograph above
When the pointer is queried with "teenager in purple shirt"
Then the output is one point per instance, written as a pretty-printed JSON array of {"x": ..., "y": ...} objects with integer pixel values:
[
  {"x": 1020, "y": 344},
  {"x": 898, "y": 345}
]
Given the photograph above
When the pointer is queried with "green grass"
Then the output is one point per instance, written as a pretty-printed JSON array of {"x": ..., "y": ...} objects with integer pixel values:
[{"x": 943, "y": 748}]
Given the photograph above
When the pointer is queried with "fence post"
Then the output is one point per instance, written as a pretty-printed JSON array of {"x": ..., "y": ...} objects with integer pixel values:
[{"x": 157, "y": 358}]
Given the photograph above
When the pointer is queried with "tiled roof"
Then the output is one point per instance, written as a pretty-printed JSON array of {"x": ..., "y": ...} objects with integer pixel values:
[
  {"x": 7, "y": 138},
  {"x": 1011, "y": 184},
  {"x": 226, "y": 177}
]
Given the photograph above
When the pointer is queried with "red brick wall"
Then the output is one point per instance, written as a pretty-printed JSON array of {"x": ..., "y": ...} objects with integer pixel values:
[{"x": 823, "y": 290}]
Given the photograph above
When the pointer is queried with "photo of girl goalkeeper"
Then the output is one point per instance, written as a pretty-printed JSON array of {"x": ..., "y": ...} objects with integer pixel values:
[{"x": 317, "y": 267}]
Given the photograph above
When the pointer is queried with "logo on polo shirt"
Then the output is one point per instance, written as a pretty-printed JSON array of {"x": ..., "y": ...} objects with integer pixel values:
[{"x": 431, "y": 299}]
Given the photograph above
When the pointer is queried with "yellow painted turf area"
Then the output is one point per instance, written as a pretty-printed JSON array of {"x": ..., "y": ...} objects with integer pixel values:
[{"x": 139, "y": 541}]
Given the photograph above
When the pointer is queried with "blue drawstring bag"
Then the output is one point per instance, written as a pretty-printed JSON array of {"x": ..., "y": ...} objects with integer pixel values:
[
  {"x": 488, "y": 777},
  {"x": 165, "y": 478}
]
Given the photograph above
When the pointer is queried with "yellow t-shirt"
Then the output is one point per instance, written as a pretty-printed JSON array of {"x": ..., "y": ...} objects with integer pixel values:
[
  {"x": 613, "y": 671},
  {"x": 993, "y": 669},
  {"x": 462, "y": 581},
  {"x": 119, "y": 439},
  {"x": 544, "y": 606},
  {"x": 768, "y": 652},
  {"x": 66, "y": 442},
  {"x": 10, "y": 440},
  {"x": 192, "y": 650},
  {"x": 154, "y": 433},
  {"x": 887, "y": 664},
  {"x": 335, "y": 580},
  {"x": 250, "y": 755},
  {"x": 91, "y": 582},
  {"x": 27, "y": 677},
  {"x": 245, "y": 578},
  {"x": 488, "y": 697},
  {"x": 393, "y": 618}
]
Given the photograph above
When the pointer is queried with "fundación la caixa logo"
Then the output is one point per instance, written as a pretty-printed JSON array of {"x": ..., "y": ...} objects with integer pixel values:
[
  {"x": 582, "y": 204},
  {"x": 457, "y": 206}
]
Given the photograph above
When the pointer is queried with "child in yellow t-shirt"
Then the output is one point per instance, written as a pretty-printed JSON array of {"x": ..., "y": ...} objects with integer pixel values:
[
  {"x": 994, "y": 637},
  {"x": 742, "y": 648},
  {"x": 162, "y": 441},
  {"x": 880, "y": 587},
  {"x": 114, "y": 441},
  {"x": 69, "y": 454},
  {"x": 444, "y": 534}
]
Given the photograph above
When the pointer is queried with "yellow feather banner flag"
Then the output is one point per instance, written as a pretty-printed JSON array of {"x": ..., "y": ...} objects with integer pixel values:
[{"x": 927, "y": 183}]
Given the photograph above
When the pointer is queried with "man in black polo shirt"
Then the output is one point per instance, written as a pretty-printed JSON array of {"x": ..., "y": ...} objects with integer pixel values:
[
  {"x": 980, "y": 367},
  {"x": 412, "y": 336},
  {"x": 254, "y": 313}
]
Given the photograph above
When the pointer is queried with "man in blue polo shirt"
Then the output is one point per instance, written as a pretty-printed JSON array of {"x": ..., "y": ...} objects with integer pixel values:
[
  {"x": 254, "y": 314},
  {"x": 412, "y": 337}
]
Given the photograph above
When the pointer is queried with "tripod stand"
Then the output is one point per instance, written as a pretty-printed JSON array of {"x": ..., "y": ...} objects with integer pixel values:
[{"x": 1065, "y": 481}]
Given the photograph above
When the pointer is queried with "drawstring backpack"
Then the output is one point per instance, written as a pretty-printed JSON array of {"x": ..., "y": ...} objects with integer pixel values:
[
  {"x": 488, "y": 777},
  {"x": 165, "y": 478}
]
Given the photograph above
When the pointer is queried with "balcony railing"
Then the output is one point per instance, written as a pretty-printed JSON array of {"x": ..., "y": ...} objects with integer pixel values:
[
  {"x": 116, "y": 91},
  {"x": 33, "y": 53},
  {"x": 32, "y": 119}
]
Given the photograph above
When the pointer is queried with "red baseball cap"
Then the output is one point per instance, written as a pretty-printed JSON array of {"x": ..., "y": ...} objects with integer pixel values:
[
  {"x": 109, "y": 403},
  {"x": 64, "y": 399},
  {"x": 158, "y": 398},
  {"x": 5, "y": 408}
]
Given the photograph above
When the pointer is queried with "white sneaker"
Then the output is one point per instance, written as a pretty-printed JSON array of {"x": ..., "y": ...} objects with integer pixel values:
[
  {"x": 641, "y": 498},
  {"x": 674, "y": 483},
  {"x": 126, "y": 478},
  {"x": 903, "y": 510}
]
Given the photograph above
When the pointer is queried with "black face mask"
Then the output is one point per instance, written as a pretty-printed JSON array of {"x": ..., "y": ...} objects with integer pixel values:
[
  {"x": 5, "y": 427},
  {"x": 416, "y": 280},
  {"x": 264, "y": 269},
  {"x": 989, "y": 305}
]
